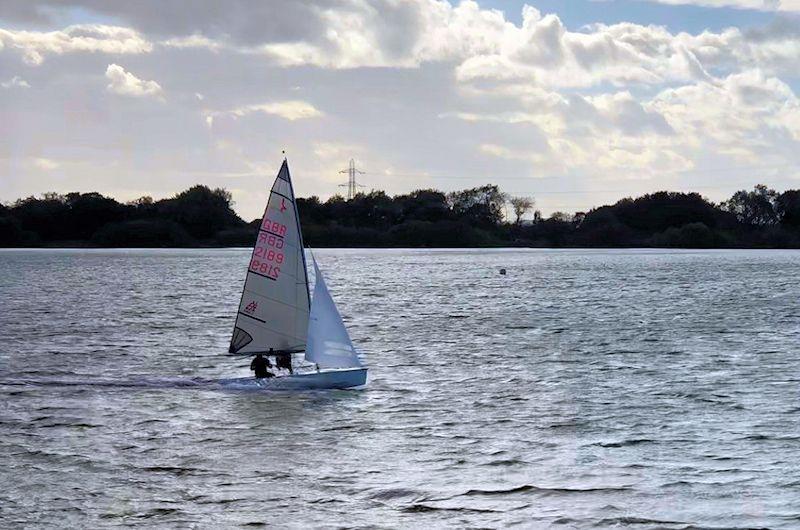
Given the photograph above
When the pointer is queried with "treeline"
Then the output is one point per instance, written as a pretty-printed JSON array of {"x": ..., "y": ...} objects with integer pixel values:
[
  {"x": 200, "y": 216},
  {"x": 761, "y": 218}
]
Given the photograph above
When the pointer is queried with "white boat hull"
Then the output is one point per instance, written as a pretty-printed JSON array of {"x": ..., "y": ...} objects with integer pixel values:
[{"x": 327, "y": 379}]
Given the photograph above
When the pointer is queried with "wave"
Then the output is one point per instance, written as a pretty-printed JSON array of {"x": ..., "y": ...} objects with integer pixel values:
[
  {"x": 422, "y": 508},
  {"x": 541, "y": 490},
  {"x": 625, "y": 443},
  {"x": 506, "y": 462},
  {"x": 396, "y": 493},
  {"x": 629, "y": 521}
]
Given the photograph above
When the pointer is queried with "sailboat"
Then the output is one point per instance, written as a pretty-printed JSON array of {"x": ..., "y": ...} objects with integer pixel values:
[{"x": 276, "y": 313}]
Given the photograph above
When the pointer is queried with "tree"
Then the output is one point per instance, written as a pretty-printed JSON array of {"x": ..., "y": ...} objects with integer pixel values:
[
  {"x": 521, "y": 206},
  {"x": 201, "y": 211},
  {"x": 788, "y": 207},
  {"x": 374, "y": 209},
  {"x": 561, "y": 217},
  {"x": 145, "y": 200},
  {"x": 755, "y": 208},
  {"x": 553, "y": 232},
  {"x": 48, "y": 217},
  {"x": 482, "y": 206},
  {"x": 424, "y": 205},
  {"x": 89, "y": 212},
  {"x": 656, "y": 212},
  {"x": 692, "y": 235}
]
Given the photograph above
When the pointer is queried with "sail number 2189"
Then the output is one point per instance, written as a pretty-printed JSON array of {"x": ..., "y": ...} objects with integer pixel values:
[
  {"x": 265, "y": 268},
  {"x": 266, "y": 261}
]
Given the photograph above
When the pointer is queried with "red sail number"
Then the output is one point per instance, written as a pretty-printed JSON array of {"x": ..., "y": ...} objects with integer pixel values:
[
  {"x": 273, "y": 226},
  {"x": 271, "y": 240},
  {"x": 262, "y": 267},
  {"x": 268, "y": 254}
]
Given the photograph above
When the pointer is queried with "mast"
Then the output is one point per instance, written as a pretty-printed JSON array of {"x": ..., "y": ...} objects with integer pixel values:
[{"x": 299, "y": 235}]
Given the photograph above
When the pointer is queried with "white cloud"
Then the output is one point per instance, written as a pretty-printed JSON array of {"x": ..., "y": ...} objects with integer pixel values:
[
  {"x": 289, "y": 110},
  {"x": 747, "y": 115},
  {"x": 762, "y": 5},
  {"x": 45, "y": 164},
  {"x": 488, "y": 47},
  {"x": 40, "y": 164},
  {"x": 342, "y": 34},
  {"x": 126, "y": 84},
  {"x": 193, "y": 41},
  {"x": 543, "y": 52},
  {"x": 15, "y": 81},
  {"x": 605, "y": 135},
  {"x": 334, "y": 152},
  {"x": 35, "y": 45},
  {"x": 745, "y": 118}
]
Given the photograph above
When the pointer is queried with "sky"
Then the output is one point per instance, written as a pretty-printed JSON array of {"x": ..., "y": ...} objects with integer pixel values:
[{"x": 577, "y": 103}]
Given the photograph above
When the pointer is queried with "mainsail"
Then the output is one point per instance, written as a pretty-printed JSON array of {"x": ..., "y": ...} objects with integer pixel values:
[
  {"x": 273, "y": 312},
  {"x": 329, "y": 345}
]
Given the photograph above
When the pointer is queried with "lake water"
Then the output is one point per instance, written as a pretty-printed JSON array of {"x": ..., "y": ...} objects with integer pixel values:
[{"x": 599, "y": 388}]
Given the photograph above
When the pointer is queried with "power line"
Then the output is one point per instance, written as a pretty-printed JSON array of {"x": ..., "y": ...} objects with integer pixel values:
[
  {"x": 352, "y": 185},
  {"x": 498, "y": 177}
]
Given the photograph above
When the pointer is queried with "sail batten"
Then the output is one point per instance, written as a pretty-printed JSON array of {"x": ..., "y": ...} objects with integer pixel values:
[{"x": 274, "y": 308}]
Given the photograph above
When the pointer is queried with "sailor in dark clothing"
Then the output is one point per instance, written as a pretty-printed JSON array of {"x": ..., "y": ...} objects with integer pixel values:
[
  {"x": 260, "y": 365},
  {"x": 284, "y": 360}
]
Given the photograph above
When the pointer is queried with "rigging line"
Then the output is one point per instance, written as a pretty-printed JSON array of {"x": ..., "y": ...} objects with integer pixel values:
[{"x": 656, "y": 187}]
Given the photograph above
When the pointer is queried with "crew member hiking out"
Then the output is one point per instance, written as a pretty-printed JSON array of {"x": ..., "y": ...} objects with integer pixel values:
[{"x": 260, "y": 365}]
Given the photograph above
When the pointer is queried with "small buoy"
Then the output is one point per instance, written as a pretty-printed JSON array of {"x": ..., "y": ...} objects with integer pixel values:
[{"x": 502, "y": 272}]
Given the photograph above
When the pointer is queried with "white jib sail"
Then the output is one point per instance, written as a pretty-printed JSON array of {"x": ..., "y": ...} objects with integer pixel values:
[
  {"x": 273, "y": 312},
  {"x": 329, "y": 345}
]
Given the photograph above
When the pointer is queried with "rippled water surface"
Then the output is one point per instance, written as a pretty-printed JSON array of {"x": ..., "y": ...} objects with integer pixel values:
[{"x": 645, "y": 389}]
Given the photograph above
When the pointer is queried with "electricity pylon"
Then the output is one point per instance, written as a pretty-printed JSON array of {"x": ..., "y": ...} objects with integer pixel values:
[{"x": 352, "y": 185}]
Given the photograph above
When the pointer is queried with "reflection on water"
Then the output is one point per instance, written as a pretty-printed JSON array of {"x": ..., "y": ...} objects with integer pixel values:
[{"x": 583, "y": 388}]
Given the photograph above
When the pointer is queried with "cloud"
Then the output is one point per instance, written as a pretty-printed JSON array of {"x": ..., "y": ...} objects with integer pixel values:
[
  {"x": 543, "y": 52},
  {"x": 44, "y": 164},
  {"x": 93, "y": 38},
  {"x": 607, "y": 134},
  {"x": 745, "y": 118},
  {"x": 15, "y": 81},
  {"x": 193, "y": 41},
  {"x": 126, "y": 84},
  {"x": 342, "y": 34},
  {"x": 486, "y": 46},
  {"x": 747, "y": 114},
  {"x": 762, "y": 5},
  {"x": 289, "y": 110}
]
